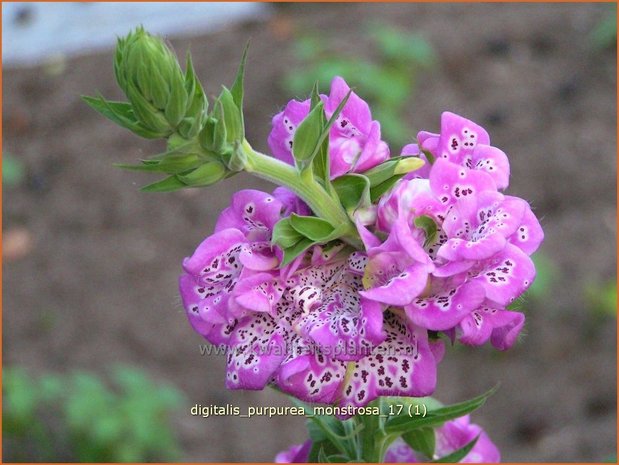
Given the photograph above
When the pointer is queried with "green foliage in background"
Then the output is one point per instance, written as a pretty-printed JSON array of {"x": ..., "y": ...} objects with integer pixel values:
[
  {"x": 388, "y": 82},
  {"x": 12, "y": 170},
  {"x": 604, "y": 35},
  {"x": 77, "y": 417},
  {"x": 545, "y": 279},
  {"x": 601, "y": 298}
]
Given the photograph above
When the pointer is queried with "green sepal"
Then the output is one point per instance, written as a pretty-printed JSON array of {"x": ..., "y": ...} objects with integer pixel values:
[
  {"x": 297, "y": 249},
  {"x": 234, "y": 157},
  {"x": 159, "y": 91},
  {"x": 177, "y": 104},
  {"x": 312, "y": 227},
  {"x": 382, "y": 172},
  {"x": 392, "y": 167},
  {"x": 457, "y": 455},
  {"x": 353, "y": 191},
  {"x": 231, "y": 117},
  {"x": 168, "y": 184},
  {"x": 204, "y": 175},
  {"x": 284, "y": 234},
  {"x": 421, "y": 440},
  {"x": 436, "y": 417},
  {"x": 173, "y": 163},
  {"x": 378, "y": 191},
  {"x": 306, "y": 137},
  {"x": 429, "y": 228},
  {"x": 186, "y": 128},
  {"x": 122, "y": 114},
  {"x": 121, "y": 43},
  {"x": 146, "y": 112},
  {"x": 212, "y": 137}
]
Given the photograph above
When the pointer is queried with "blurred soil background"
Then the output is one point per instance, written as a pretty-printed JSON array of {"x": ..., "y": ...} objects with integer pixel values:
[{"x": 90, "y": 264}]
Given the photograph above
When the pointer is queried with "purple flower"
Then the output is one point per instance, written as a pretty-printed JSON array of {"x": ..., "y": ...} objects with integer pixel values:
[
  {"x": 355, "y": 143},
  {"x": 446, "y": 304},
  {"x": 450, "y": 437},
  {"x": 404, "y": 364},
  {"x": 209, "y": 277},
  {"x": 397, "y": 270},
  {"x": 451, "y": 182},
  {"x": 466, "y": 144},
  {"x": 342, "y": 348},
  {"x": 457, "y": 433},
  {"x": 239, "y": 248},
  {"x": 297, "y": 453},
  {"x": 479, "y": 227},
  {"x": 284, "y": 125},
  {"x": 413, "y": 150},
  {"x": 502, "y": 327},
  {"x": 408, "y": 200}
]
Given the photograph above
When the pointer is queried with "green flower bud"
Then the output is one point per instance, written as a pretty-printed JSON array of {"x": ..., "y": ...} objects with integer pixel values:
[{"x": 151, "y": 77}]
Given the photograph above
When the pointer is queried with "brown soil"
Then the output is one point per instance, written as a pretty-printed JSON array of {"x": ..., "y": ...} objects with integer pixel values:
[{"x": 98, "y": 283}]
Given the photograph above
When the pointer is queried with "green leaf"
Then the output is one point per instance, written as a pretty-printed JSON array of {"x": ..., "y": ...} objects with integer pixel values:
[
  {"x": 320, "y": 450},
  {"x": 353, "y": 191},
  {"x": 315, "y": 96},
  {"x": 306, "y": 137},
  {"x": 382, "y": 172},
  {"x": 429, "y": 156},
  {"x": 404, "y": 424},
  {"x": 459, "y": 454},
  {"x": 231, "y": 117},
  {"x": 198, "y": 103},
  {"x": 169, "y": 184},
  {"x": 237, "y": 89},
  {"x": 377, "y": 191},
  {"x": 284, "y": 234},
  {"x": 329, "y": 432},
  {"x": 422, "y": 440},
  {"x": 122, "y": 114},
  {"x": 311, "y": 227},
  {"x": 204, "y": 175},
  {"x": 337, "y": 458},
  {"x": 429, "y": 227},
  {"x": 294, "y": 251},
  {"x": 321, "y": 161},
  {"x": 220, "y": 132}
]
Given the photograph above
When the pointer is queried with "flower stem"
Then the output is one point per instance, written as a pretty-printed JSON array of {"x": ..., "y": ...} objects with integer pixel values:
[{"x": 306, "y": 187}]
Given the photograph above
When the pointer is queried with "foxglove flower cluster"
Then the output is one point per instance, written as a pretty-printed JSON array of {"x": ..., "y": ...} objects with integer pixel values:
[{"x": 447, "y": 253}]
